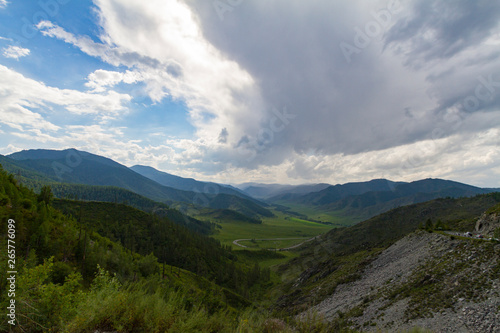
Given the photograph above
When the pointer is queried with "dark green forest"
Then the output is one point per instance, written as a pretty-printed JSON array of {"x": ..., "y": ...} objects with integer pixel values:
[
  {"x": 118, "y": 195},
  {"x": 171, "y": 243},
  {"x": 37, "y": 168},
  {"x": 91, "y": 265}
]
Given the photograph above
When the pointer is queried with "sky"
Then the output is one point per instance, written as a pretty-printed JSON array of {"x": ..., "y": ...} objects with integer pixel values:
[{"x": 271, "y": 91}]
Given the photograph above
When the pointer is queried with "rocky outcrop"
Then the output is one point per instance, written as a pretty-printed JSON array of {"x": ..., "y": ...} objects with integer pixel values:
[{"x": 487, "y": 224}]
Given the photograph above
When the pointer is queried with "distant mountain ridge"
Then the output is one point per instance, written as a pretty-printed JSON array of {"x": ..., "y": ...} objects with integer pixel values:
[
  {"x": 77, "y": 167},
  {"x": 359, "y": 200},
  {"x": 367, "y": 199},
  {"x": 337, "y": 192},
  {"x": 266, "y": 191},
  {"x": 188, "y": 184}
]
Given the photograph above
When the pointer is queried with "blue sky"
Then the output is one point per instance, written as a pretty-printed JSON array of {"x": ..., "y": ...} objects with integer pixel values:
[
  {"x": 50, "y": 60},
  {"x": 268, "y": 91}
]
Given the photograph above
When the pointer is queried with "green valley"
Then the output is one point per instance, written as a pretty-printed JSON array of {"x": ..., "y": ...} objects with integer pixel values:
[
  {"x": 279, "y": 226},
  {"x": 96, "y": 257}
]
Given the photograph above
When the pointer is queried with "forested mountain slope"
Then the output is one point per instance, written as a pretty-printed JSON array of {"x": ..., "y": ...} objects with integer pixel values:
[
  {"x": 72, "y": 279},
  {"x": 188, "y": 184},
  {"x": 77, "y": 167},
  {"x": 367, "y": 199}
]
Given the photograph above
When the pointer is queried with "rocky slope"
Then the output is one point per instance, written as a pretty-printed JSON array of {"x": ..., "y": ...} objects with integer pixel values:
[
  {"x": 488, "y": 224},
  {"x": 430, "y": 280}
]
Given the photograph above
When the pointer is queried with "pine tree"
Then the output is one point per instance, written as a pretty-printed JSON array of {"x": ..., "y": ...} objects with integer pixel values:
[{"x": 45, "y": 195}]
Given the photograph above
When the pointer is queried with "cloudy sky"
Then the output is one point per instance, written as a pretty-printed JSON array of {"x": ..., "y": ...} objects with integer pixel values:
[{"x": 287, "y": 91}]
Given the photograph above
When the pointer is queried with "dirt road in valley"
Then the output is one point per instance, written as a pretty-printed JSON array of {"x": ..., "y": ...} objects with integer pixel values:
[{"x": 236, "y": 242}]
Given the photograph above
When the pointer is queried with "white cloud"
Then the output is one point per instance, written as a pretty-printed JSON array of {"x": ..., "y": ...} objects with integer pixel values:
[
  {"x": 178, "y": 63},
  {"x": 3, "y": 4},
  {"x": 471, "y": 159},
  {"x": 396, "y": 111},
  {"x": 16, "y": 116},
  {"x": 24, "y": 102},
  {"x": 100, "y": 80},
  {"x": 15, "y": 52}
]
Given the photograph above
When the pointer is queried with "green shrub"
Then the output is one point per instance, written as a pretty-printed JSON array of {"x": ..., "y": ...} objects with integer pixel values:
[
  {"x": 43, "y": 305},
  {"x": 60, "y": 271},
  {"x": 26, "y": 204}
]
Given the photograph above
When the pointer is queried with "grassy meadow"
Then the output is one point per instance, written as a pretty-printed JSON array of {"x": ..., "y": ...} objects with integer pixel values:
[
  {"x": 292, "y": 224},
  {"x": 272, "y": 244},
  {"x": 337, "y": 218},
  {"x": 279, "y": 226}
]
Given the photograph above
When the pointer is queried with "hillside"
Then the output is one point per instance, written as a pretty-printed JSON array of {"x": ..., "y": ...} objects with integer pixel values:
[
  {"x": 27, "y": 175},
  {"x": 376, "y": 202},
  {"x": 339, "y": 256},
  {"x": 218, "y": 215},
  {"x": 70, "y": 278},
  {"x": 266, "y": 191},
  {"x": 169, "y": 242},
  {"x": 337, "y": 192},
  {"x": 367, "y": 199},
  {"x": 188, "y": 184},
  {"x": 76, "y": 167},
  {"x": 428, "y": 280},
  {"x": 121, "y": 196}
]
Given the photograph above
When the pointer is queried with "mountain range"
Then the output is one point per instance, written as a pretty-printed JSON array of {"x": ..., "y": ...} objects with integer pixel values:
[
  {"x": 266, "y": 191},
  {"x": 77, "y": 167},
  {"x": 360, "y": 200},
  {"x": 368, "y": 199},
  {"x": 188, "y": 184}
]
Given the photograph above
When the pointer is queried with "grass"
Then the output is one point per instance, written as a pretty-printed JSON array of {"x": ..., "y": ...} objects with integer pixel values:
[
  {"x": 494, "y": 210},
  {"x": 275, "y": 262},
  {"x": 279, "y": 226},
  {"x": 295, "y": 219},
  {"x": 337, "y": 218},
  {"x": 273, "y": 244},
  {"x": 266, "y": 259}
]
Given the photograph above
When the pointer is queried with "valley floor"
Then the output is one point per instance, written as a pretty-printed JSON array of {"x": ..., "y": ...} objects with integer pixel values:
[
  {"x": 273, "y": 247},
  {"x": 281, "y": 226}
]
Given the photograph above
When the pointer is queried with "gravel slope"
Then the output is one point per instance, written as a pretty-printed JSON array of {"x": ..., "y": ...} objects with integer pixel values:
[{"x": 472, "y": 264}]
